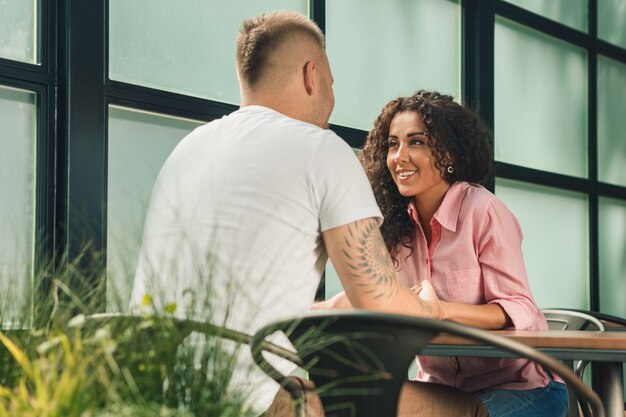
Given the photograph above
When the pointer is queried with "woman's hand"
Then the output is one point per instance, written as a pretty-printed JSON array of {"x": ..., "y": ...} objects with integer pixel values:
[
  {"x": 339, "y": 301},
  {"x": 427, "y": 293},
  {"x": 486, "y": 316}
]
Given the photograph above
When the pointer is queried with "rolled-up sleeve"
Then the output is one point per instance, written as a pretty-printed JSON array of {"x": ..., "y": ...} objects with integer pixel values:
[{"x": 504, "y": 276}]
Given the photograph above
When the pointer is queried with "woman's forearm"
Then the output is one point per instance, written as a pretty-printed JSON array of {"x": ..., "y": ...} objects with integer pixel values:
[{"x": 485, "y": 316}]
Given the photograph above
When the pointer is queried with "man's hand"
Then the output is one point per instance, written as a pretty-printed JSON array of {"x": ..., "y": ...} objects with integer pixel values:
[{"x": 338, "y": 302}]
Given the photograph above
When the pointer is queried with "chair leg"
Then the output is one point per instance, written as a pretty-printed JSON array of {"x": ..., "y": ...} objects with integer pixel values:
[
  {"x": 609, "y": 387},
  {"x": 573, "y": 409}
]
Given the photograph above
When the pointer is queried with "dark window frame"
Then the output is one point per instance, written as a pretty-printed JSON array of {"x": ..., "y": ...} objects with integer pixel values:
[
  {"x": 590, "y": 186},
  {"x": 40, "y": 79},
  {"x": 74, "y": 93}
]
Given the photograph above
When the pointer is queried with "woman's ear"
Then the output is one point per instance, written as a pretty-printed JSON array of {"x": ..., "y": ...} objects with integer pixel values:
[{"x": 309, "y": 72}]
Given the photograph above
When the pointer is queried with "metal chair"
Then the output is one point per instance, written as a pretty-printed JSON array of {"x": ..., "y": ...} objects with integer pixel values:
[
  {"x": 359, "y": 359},
  {"x": 564, "y": 319},
  {"x": 607, "y": 323}
]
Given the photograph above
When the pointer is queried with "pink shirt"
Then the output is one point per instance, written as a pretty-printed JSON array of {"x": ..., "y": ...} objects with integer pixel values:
[{"x": 475, "y": 257}]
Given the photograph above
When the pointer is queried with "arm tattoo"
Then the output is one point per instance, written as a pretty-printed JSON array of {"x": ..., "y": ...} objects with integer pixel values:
[{"x": 368, "y": 259}]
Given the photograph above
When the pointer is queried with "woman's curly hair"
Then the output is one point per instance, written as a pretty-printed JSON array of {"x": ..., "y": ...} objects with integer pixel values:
[{"x": 458, "y": 139}]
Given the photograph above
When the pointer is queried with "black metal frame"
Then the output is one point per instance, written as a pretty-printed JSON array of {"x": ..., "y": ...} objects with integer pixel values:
[
  {"x": 360, "y": 358},
  {"x": 74, "y": 93},
  {"x": 590, "y": 186},
  {"x": 40, "y": 78}
]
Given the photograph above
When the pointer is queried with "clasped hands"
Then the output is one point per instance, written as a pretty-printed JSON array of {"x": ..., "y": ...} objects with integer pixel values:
[
  {"x": 426, "y": 293},
  {"x": 423, "y": 292}
]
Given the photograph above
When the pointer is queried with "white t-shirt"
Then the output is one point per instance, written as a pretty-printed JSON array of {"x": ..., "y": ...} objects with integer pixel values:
[{"x": 233, "y": 232}]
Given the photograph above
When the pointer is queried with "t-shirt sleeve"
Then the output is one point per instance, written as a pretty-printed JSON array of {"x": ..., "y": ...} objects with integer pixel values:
[{"x": 341, "y": 188}]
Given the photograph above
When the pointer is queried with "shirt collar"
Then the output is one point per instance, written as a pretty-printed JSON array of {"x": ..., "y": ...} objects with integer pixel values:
[{"x": 447, "y": 215}]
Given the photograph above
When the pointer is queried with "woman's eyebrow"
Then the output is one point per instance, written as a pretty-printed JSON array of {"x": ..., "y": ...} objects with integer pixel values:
[{"x": 409, "y": 135}]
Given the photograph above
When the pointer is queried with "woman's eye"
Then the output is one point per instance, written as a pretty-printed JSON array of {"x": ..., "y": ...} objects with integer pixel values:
[
  {"x": 392, "y": 144},
  {"x": 416, "y": 142}
]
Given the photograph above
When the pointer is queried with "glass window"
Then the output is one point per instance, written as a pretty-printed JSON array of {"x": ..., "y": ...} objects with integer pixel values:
[
  {"x": 611, "y": 16},
  {"x": 555, "y": 242},
  {"x": 332, "y": 284},
  {"x": 410, "y": 45},
  {"x": 540, "y": 101},
  {"x": 18, "y": 124},
  {"x": 138, "y": 145},
  {"x": 186, "y": 47},
  {"x": 612, "y": 231},
  {"x": 611, "y": 121},
  {"x": 612, "y": 216},
  {"x": 573, "y": 13},
  {"x": 19, "y": 25}
]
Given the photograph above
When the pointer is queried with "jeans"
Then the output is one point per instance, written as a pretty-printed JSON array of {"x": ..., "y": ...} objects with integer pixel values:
[{"x": 549, "y": 401}]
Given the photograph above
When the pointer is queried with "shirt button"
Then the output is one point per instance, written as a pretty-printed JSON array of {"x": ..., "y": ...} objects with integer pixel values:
[{"x": 452, "y": 364}]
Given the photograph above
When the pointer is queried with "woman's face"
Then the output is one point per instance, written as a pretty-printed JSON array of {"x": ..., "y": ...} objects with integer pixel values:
[{"x": 410, "y": 159}]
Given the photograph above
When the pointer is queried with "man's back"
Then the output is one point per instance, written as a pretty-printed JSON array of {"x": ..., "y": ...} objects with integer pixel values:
[
  {"x": 233, "y": 233},
  {"x": 237, "y": 213}
]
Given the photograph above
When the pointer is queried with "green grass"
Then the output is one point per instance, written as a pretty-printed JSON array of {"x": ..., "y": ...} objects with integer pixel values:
[{"x": 57, "y": 361}]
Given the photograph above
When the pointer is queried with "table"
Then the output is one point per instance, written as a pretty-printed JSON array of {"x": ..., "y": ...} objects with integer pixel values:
[{"x": 606, "y": 349}]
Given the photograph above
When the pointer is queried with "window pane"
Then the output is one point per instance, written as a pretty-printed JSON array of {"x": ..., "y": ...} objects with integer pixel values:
[
  {"x": 613, "y": 259},
  {"x": 19, "y": 31},
  {"x": 18, "y": 124},
  {"x": 410, "y": 45},
  {"x": 186, "y": 47},
  {"x": 612, "y": 256},
  {"x": 332, "y": 284},
  {"x": 555, "y": 241},
  {"x": 138, "y": 145},
  {"x": 572, "y": 13},
  {"x": 611, "y": 121},
  {"x": 540, "y": 101},
  {"x": 611, "y": 16}
]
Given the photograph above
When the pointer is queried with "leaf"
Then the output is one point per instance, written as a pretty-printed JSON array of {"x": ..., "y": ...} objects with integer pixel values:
[
  {"x": 5, "y": 392},
  {"x": 17, "y": 353}
]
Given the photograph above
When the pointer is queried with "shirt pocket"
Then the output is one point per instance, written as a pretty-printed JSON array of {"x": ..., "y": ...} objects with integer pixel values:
[{"x": 465, "y": 286}]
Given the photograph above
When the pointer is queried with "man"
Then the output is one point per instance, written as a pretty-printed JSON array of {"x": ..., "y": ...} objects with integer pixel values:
[{"x": 248, "y": 207}]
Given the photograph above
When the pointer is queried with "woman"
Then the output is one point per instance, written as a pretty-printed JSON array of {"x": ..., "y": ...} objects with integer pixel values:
[{"x": 457, "y": 245}]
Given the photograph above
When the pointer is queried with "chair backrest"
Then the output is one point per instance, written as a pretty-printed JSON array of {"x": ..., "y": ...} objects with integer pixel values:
[
  {"x": 563, "y": 319},
  {"x": 607, "y": 320},
  {"x": 359, "y": 359}
]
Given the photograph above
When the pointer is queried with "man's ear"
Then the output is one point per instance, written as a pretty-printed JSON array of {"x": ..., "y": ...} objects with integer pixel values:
[{"x": 308, "y": 73}]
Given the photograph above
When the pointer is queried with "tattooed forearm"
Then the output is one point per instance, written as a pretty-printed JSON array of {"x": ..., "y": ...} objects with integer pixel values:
[{"x": 368, "y": 259}]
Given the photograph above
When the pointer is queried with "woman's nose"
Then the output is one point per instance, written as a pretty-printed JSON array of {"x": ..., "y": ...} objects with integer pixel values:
[{"x": 401, "y": 155}]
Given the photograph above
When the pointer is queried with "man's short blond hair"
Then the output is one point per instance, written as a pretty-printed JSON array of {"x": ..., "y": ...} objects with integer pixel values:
[{"x": 261, "y": 35}]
